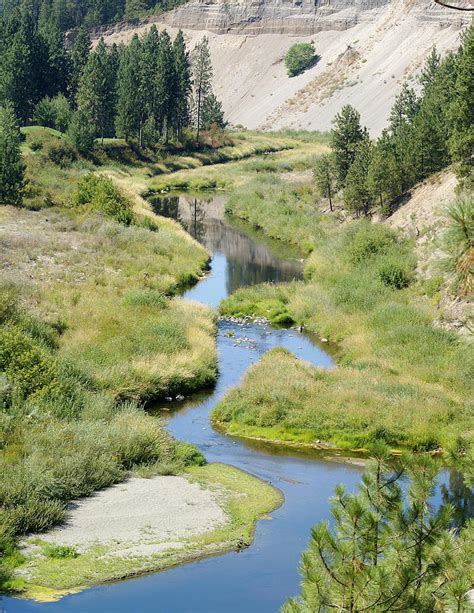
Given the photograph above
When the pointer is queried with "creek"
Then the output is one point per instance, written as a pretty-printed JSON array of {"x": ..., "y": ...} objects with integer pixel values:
[{"x": 261, "y": 577}]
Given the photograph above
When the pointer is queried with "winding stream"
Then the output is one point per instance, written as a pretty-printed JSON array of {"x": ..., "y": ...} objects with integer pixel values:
[{"x": 260, "y": 578}]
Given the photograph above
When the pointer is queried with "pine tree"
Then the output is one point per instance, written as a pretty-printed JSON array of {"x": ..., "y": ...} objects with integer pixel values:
[
  {"x": 430, "y": 70},
  {"x": 12, "y": 168},
  {"x": 202, "y": 78},
  {"x": 387, "y": 551},
  {"x": 404, "y": 108},
  {"x": 166, "y": 85},
  {"x": 56, "y": 68},
  {"x": 182, "y": 68},
  {"x": 96, "y": 93},
  {"x": 149, "y": 68},
  {"x": 78, "y": 57},
  {"x": 384, "y": 174},
  {"x": 20, "y": 74},
  {"x": 345, "y": 137},
  {"x": 212, "y": 113},
  {"x": 461, "y": 111},
  {"x": 358, "y": 196},
  {"x": 131, "y": 108},
  {"x": 325, "y": 176},
  {"x": 134, "y": 8}
]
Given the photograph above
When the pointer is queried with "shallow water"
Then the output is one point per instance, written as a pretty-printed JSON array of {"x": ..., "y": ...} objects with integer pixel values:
[{"x": 262, "y": 577}]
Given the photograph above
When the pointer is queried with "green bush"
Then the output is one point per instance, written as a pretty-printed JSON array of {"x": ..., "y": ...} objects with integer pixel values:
[
  {"x": 394, "y": 274},
  {"x": 60, "y": 552},
  {"x": 299, "y": 58},
  {"x": 62, "y": 154},
  {"x": 100, "y": 194},
  {"x": 364, "y": 239}
]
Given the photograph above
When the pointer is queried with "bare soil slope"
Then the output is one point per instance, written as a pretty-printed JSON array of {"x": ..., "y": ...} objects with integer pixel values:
[{"x": 365, "y": 57}]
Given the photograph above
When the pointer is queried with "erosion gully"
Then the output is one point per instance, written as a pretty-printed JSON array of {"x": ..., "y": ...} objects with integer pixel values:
[{"x": 261, "y": 577}]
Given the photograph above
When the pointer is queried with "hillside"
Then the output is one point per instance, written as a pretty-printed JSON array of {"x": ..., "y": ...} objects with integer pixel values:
[{"x": 367, "y": 49}]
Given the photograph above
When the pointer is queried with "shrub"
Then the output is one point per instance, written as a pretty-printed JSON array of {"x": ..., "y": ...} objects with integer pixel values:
[
  {"x": 394, "y": 274},
  {"x": 63, "y": 154},
  {"x": 363, "y": 240},
  {"x": 36, "y": 145},
  {"x": 100, "y": 194},
  {"x": 299, "y": 58},
  {"x": 60, "y": 552}
]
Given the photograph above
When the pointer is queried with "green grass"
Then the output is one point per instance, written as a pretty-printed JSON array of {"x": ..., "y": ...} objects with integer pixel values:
[
  {"x": 109, "y": 287},
  {"x": 398, "y": 378},
  {"x": 244, "y": 498}
]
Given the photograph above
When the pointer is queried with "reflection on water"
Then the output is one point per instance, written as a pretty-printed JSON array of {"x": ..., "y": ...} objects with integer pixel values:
[{"x": 247, "y": 261}]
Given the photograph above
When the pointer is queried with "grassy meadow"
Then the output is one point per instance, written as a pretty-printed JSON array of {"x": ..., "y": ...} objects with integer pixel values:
[{"x": 398, "y": 378}]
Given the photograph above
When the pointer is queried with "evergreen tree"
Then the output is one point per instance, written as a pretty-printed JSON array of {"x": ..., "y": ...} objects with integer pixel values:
[
  {"x": 166, "y": 85},
  {"x": 20, "y": 73},
  {"x": 430, "y": 70},
  {"x": 135, "y": 8},
  {"x": 404, "y": 108},
  {"x": 387, "y": 552},
  {"x": 345, "y": 137},
  {"x": 212, "y": 113},
  {"x": 384, "y": 179},
  {"x": 78, "y": 57},
  {"x": 358, "y": 197},
  {"x": 81, "y": 133},
  {"x": 149, "y": 69},
  {"x": 55, "y": 69},
  {"x": 182, "y": 69},
  {"x": 461, "y": 111},
  {"x": 12, "y": 168},
  {"x": 97, "y": 91},
  {"x": 131, "y": 107},
  {"x": 325, "y": 176},
  {"x": 202, "y": 80}
]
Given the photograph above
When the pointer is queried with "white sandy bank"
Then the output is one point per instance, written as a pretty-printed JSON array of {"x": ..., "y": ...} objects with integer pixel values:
[{"x": 143, "y": 513}]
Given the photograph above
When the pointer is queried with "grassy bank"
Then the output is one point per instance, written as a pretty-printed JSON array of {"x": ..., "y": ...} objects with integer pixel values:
[
  {"x": 398, "y": 379},
  {"x": 243, "y": 498}
]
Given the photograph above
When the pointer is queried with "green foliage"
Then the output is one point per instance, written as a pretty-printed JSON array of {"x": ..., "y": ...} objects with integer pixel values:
[
  {"x": 346, "y": 135},
  {"x": 12, "y": 167},
  {"x": 461, "y": 111},
  {"x": 365, "y": 240},
  {"x": 63, "y": 154},
  {"x": 459, "y": 244},
  {"x": 99, "y": 193},
  {"x": 96, "y": 91},
  {"x": 325, "y": 176},
  {"x": 60, "y": 552},
  {"x": 387, "y": 550},
  {"x": 358, "y": 197},
  {"x": 53, "y": 113},
  {"x": 299, "y": 58},
  {"x": 81, "y": 133}
]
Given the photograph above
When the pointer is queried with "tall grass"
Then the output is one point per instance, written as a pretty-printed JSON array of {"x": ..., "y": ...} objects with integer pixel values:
[
  {"x": 399, "y": 378},
  {"x": 51, "y": 454}
]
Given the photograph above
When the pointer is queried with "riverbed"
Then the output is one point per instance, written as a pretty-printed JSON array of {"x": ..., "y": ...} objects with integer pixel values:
[{"x": 259, "y": 578}]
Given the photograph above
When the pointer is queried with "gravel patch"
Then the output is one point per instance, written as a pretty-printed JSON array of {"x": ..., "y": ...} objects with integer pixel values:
[{"x": 140, "y": 512}]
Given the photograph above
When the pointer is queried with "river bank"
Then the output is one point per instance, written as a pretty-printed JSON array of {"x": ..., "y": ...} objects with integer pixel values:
[{"x": 145, "y": 525}]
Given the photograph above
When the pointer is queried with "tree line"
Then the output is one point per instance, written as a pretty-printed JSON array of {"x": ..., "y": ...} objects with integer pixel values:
[
  {"x": 67, "y": 14},
  {"x": 426, "y": 132},
  {"x": 143, "y": 90}
]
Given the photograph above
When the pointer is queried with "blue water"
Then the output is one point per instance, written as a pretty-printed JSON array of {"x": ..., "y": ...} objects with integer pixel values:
[{"x": 258, "y": 579}]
